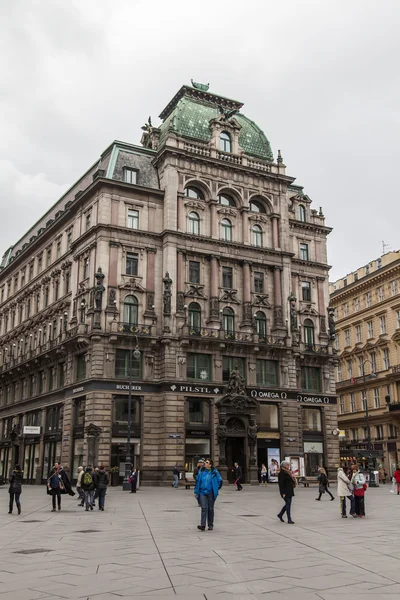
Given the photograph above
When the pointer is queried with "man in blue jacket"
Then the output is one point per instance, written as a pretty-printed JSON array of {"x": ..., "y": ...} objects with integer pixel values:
[{"x": 208, "y": 484}]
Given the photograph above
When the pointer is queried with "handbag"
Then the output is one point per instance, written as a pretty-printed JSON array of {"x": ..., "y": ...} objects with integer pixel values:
[{"x": 322, "y": 489}]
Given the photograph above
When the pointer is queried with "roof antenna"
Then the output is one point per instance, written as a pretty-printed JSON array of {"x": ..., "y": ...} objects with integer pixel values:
[{"x": 384, "y": 246}]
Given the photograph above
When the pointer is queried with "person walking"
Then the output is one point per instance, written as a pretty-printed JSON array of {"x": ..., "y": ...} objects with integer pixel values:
[
  {"x": 382, "y": 475},
  {"x": 133, "y": 480},
  {"x": 360, "y": 486},
  {"x": 87, "y": 484},
  {"x": 101, "y": 482},
  {"x": 344, "y": 490},
  {"x": 323, "y": 483},
  {"x": 287, "y": 482},
  {"x": 54, "y": 488},
  {"x": 175, "y": 474},
  {"x": 79, "y": 487},
  {"x": 208, "y": 484},
  {"x": 396, "y": 476},
  {"x": 15, "y": 488},
  {"x": 264, "y": 472},
  {"x": 238, "y": 475}
]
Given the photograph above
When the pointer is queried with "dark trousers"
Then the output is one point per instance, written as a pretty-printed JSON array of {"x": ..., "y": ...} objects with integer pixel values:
[
  {"x": 343, "y": 505},
  {"x": 17, "y": 502},
  {"x": 101, "y": 495},
  {"x": 56, "y": 494},
  {"x": 238, "y": 484},
  {"x": 207, "y": 510},
  {"x": 133, "y": 486},
  {"x": 359, "y": 506},
  {"x": 327, "y": 491},
  {"x": 287, "y": 508}
]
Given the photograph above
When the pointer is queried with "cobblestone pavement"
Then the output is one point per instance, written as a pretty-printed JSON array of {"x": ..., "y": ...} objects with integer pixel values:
[{"x": 148, "y": 546}]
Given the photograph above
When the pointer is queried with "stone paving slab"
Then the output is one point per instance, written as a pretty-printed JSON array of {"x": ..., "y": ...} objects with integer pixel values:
[{"x": 148, "y": 546}]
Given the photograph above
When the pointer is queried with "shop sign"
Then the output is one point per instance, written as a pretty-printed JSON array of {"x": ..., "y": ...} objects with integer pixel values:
[
  {"x": 76, "y": 390},
  {"x": 31, "y": 430},
  {"x": 269, "y": 395},
  {"x": 313, "y": 447},
  {"x": 197, "y": 433},
  {"x": 134, "y": 388},
  {"x": 315, "y": 399},
  {"x": 174, "y": 436},
  {"x": 195, "y": 389}
]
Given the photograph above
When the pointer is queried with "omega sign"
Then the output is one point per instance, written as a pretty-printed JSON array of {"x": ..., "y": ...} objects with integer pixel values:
[
  {"x": 313, "y": 399},
  {"x": 268, "y": 395}
]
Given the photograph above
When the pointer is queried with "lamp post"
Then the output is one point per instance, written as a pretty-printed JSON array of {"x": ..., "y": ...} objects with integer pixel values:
[
  {"x": 136, "y": 354},
  {"x": 371, "y": 460}
]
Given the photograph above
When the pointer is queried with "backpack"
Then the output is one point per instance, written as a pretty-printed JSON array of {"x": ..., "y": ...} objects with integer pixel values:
[
  {"x": 55, "y": 482},
  {"x": 87, "y": 479}
]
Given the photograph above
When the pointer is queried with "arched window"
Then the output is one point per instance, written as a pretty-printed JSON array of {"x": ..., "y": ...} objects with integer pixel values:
[
  {"x": 194, "y": 223},
  {"x": 302, "y": 213},
  {"x": 193, "y": 192},
  {"x": 261, "y": 326},
  {"x": 257, "y": 236},
  {"x": 228, "y": 324},
  {"x": 257, "y": 206},
  {"x": 309, "y": 336},
  {"x": 226, "y": 230},
  {"x": 194, "y": 318},
  {"x": 225, "y": 142},
  {"x": 131, "y": 310},
  {"x": 226, "y": 200}
]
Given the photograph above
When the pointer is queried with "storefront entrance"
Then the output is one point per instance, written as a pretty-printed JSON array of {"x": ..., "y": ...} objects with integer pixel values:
[
  {"x": 235, "y": 453},
  {"x": 52, "y": 454},
  {"x": 5, "y": 462},
  {"x": 31, "y": 462}
]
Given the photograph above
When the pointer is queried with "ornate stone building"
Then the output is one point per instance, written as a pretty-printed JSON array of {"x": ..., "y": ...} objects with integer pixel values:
[
  {"x": 197, "y": 251},
  {"x": 367, "y": 306}
]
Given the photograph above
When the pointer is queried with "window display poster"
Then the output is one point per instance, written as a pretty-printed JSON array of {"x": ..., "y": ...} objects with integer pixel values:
[
  {"x": 274, "y": 459},
  {"x": 296, "y": 465}
]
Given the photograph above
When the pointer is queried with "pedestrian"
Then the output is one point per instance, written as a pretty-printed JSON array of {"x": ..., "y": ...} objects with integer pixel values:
[
  {"x": 88, "y": 488},
  {"x": 264, "y": 472},
  {"x": 287, "y": 482},
  {"x": 79, "y": 486},
  {"x": 360, "y": 486},
  {"x": 101, "y": 482},
  {"x": 95, "y": 471},
  {"x": 323, "y": 483},
  {"x": 344, "y": 490},
  {"x": 66, "y": 487},
  {"x": 133, "y": 481},
  {"x": 175, "y": 474},
  {"x": 238, "y": 474},
  {"x": 200, "y": 465},
  {"x": 54, "y": 488},
  {"x": 396, "y": 476},
  {"x": 208, "y": 484},
  {"x": 15, "y": 488},
  {"x": 382, "y": 475}
]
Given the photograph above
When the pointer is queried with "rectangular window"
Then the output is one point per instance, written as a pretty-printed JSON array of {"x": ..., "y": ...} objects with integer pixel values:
[
  {"x": 80, "y": 367},
  {"x": 227, "y": 277},
  {"x": 133, "y": 219},
  {"x": 392, "y": 432},
  {"x": 311, "y": 418},
  {"x": 229, "y": 363},
  {"x": 132, "y": 262},
  {"x": 376, "y": 398},
  {"x": 126, "y": 363},
  {"x": 267, "y": 372},
  {"x": 40, "y": 383},
  {"x": 50, "y": 380},
  {"x": 339, "y": 372},
  {"x": 358, "y": 334},
  {"x": 398, "y": 319},
  {"x": 194, "y": 271},
  {"x": 58, "y": 248},
  {"x": 40, "y": 263},
  {"x": 67, "y": 281},
  {"x": 370, "y": 329},
  {"x": 121, "y": 410},
  {"x": 197, "y": 411},
  {"x": 345, "y": 310},
  {"x": 373, "y": 362},
  {"x": 380, "y": 294},
  {"x": 360, "y": 365},
  {"x": 46, "y": 296},
  {"x": 258, "y": 282},
  {"x": 363, "y": 401},
  {"x": 304, "y": 251},
  {"x": 349, "y": 369},
  {"x": 268, "y": 416},
  {"x": 311, "y": 379},
  {"x": 88, "y": 217},
  {"x": 306, "y": 291},
  {"x": 130, "y": 175},
  {"x": 393, "y": 288},
  {"x": 356, "y": 304},
  {"x": 79, "y": 417},
  {"x": 382, "y": 323},
  {"x": 69, "y": 238},
  {"x": 31, "y": 271},
  {"x": 48, "y": 257},
  {"x": 23, "y": 271},
  {"x": 341, "y": 403},
  {"x": 85, "y": 268},
  {"x": 379, "y": 432},
  {"x": 61, "y": 375},
  {"x": 386, "y": 360},
  {"x": 352, "y": 402},
  {"x": 347, "y": 337},
  {"x": 15, "y": 283},
  {"x": 368, "y": 299},
  {"x": 198, "y": 366},
  {"x": 56, "y": 290}
]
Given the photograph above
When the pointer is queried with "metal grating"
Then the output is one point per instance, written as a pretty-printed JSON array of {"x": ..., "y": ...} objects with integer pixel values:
[
  {"x": 32, "y": 521},
  {"x": 33, "y": 551},
  {"x": 172, "y": 511},
  {"x": 88, "y": 531}
]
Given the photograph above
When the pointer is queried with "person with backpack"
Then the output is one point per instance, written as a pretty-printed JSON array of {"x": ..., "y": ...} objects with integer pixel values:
[
  {"x": 101, "y": 482},
  {"x": 15, "y": 488},
  {"x": 175, "y": 473},
  {"x": 208, "y": 484},
  {"x": 238, "y": 475},
  {"x": 360, "y": 486},
  {"x": 54, "y": 488},
  {"x": 87, "y": 485},
  {"x": 323, "y": 483}
]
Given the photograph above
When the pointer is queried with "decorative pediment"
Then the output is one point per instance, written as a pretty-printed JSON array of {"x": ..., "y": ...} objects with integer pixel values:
[
  {"x": 195, "y": 291},
  {"x": 258, "y": 218},
  {"x": 227, "y": 211},
  {"x": 132, "y": 284},
  {"x": 229, "y": 296},
  {"x": 261, "y": 300},
  {"x": 308, "y": 310},
  {"x": 195, "y": 205}
]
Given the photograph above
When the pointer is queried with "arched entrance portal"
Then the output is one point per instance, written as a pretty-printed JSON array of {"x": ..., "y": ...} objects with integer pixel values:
[{"x": 235, "y": 446}]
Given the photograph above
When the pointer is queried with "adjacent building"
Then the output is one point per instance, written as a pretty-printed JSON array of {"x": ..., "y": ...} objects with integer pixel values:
[
  {"x": 163, "y": 269},
  {"x": 367, "y": 307}
]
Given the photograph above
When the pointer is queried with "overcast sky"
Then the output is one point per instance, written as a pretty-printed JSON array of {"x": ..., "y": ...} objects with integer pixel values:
[{"x": 320, "y": 77}]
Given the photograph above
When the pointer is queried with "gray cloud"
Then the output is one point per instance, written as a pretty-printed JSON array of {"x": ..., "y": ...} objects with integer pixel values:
[{"x": 321, "y": 79}]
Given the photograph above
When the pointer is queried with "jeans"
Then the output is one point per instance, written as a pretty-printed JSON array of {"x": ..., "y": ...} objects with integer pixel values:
[
  {"x": 101, "y": 495},
  {"x": 287, "y": 508},
  {"x": 17, "y": 502},
  {"x": 343, "y": 505},
  {"x": 56, "y": 493},
  {"x": 88, "y": 496},
  {"x": 81, "y": 494},
  {"x": 207, "y": 509},
  {"x": 176, "y": 481}
]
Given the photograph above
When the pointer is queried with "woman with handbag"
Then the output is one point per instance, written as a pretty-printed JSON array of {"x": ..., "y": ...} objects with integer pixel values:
[
  {"x": 360, "y": 486},
  {"x": 323, "y": 483}
]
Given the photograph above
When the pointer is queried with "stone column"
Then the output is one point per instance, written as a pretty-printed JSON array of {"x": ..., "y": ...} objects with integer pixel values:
[
  {"x": 247, "y": 316},
  {"x": 278, "y": 313},
  {"x": 214, "y": 220},
  {"x": 150, "y": 281},
  {"x": 214, "y": 302},
  {"x": 275, "y": 231}
]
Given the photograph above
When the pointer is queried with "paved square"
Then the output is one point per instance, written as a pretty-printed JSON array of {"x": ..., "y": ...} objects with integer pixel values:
[{"x": 148, "y": 546}]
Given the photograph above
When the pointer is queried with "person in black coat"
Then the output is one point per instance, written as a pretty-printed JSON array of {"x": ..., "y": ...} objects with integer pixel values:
[
  {"x": 287, "y": 483},
  {"x": 66, "y": 487},
  {"x": 15, "y": 488},
  {"x": 101, "y": 483},
  {"x": 238, "y": 475},
  {"x": 133, "y": 480}
]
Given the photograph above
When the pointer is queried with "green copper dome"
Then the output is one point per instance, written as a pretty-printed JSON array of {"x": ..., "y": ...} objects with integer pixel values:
[{"x": 189, "y": 114}]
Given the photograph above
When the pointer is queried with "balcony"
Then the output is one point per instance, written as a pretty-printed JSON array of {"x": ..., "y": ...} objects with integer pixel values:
[
  {"x": 315, "y": 348},
  {"x": 395, "y": 407},
  {"x": 396, "y": 369},
  {"x": 235, "y": 336},
  {"x": 136, "y": 329}
]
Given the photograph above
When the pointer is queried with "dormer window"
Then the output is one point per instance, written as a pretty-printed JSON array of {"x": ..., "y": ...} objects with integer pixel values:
[
  {"x": 130, "y": 175},
  {"x": 226, "y": 200},
  {"x": 192, "y": 192},
  {"x": 302, "y": 213},
  {"x": 225, "y": 143}
]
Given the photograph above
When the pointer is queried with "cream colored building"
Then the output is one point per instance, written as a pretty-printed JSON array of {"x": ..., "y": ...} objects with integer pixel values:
[
  {"x": 367, "y": 307},
  {"x": 210, "y": 257}
]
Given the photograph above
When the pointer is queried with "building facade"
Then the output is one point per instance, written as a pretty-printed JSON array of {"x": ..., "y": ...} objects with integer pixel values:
[
  {"x": 197, "y": 250},
  {"x": 367, "y": 307}
]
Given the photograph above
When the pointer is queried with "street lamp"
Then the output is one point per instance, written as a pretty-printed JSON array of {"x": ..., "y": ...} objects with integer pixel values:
[
  {"x": 371, "y": 460},
  {"x": 136, "y": 354}
]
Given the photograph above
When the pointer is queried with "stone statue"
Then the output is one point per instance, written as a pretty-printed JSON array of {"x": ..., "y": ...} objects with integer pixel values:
[
  {"x": 252, "y": 434},
  {"x": 293, "y": 312},
  {"x": 148, "y": 126},
  {"x": 331, "y": 323},
  {"x": 227, "y": 114},
  {"x": 167, "y": 281},
  {"x": 99, "y": 289},
  {"x": 236, "y": 385},
  {"x": 221, "y": 433}
]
